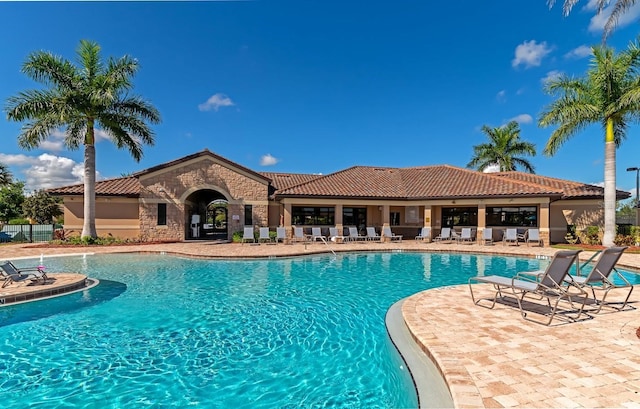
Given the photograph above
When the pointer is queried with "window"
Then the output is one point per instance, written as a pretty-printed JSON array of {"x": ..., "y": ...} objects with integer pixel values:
[
  {"x": 354, "y": 216},
  {"x": 162, "y": 214},
  {"x": 313, "y": 216},
  {"x": 248, "y": 215},
  {"x": 394, "y": 218},
  {"x": 523, "y": 216},
  {"x": 459, "y": 216}
]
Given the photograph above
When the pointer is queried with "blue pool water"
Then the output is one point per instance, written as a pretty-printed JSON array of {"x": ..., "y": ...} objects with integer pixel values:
[{"x": 163, "y": 331}]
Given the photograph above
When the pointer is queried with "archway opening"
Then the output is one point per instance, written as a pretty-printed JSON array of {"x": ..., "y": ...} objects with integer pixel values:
[{"x": 207, "y": 212}]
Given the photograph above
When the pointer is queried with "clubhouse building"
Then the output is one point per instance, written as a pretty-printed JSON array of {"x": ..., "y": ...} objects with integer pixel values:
[{"x": 204, "y": 196}]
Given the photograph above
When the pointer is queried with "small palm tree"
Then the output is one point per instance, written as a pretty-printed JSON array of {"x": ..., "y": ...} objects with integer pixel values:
[
  {"x": 609, "y": 95},
  {"x": 5, "y": 176},
  {"x": 503, "y": 149},
  {"x": 80, "y": 99},
  {"x": 619, "y": 7}
]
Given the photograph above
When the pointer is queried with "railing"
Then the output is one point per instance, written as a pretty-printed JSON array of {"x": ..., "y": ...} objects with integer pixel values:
[{"x": 31, "y": 233}]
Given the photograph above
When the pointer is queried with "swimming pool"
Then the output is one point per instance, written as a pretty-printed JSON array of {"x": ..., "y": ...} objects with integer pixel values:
[{"x": 165, "y": 331}]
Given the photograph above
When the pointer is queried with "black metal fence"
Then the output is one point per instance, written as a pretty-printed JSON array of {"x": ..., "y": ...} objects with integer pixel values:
[{"x": 27, "y": 233}]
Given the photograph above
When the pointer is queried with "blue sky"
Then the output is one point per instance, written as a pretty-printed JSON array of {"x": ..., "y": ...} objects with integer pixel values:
[{"x": 319, "y": 86}]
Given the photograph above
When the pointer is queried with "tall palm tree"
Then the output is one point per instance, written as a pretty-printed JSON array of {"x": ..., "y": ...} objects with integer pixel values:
[
  {"x": 5, "y": 175},
  {"x": 503, "y": 149},
  {"x": 609, "y": 94},
  {"x": 81, "y": 99},
  {"x": 619, "y": 8}
]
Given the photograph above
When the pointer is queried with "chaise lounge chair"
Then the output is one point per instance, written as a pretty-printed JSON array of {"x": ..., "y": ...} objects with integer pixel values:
[
  {"x": 354, "y": 235},
  {"x": 12, "y": 274},
  {"x": 264, "y": 236},
  {"x": 466, "y": 235},
  {"x": 299, "y": 236},
  {"x": 554, "y": 284},
  {"x": 602, "y": 278},
  {"x": 487, "y": 236},
  {"x": 386, "y": 232},
  {"x": 372, "y": 234},
  {"x": 445, "y": 235},
  {"x": 281, "y": 235},
  {"x": 425, "y": 234},
  {"x": 247, "y": 235},
  {"x": 316, "y": 234},
  {"x": 510, "y": 236},
  {"x": 533, "y": 235}
]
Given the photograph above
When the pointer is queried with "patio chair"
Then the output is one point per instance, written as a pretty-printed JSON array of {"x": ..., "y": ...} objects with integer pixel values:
[
  {"x": 445, "y": 235},
  {"x": 603, "y": 278},
  {"x": 316, "y": 234},
  {"x": 372, "y": 234},
  {"x": 555, "y": 284},
  {"x": 334, "y": 235},
  {"x": 354, "y": 235},
  {"x": 425, "y": 234},
  {"x": 298, "y": 235},
  {"x": 510, "y": 236},
  {"x": 12, "y": 274},
  {"x": 247, "y": 235},
  {"x": 466, "y": 235},
  {"x": 533, "y": 235},
  {"x": 386, "y": 232},
  {"x": 487, "y": 236},
  {"x": 281, "y": 235},
  {"x": 264, "y": 236}
]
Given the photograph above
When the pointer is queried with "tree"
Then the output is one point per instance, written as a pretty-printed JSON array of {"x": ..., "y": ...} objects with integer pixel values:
[
  {"x": 41, "y": 207},
  {"x": 503, "y": 149},
  {"x": 619, "y": 7},
  {"x": 609, "y": 94},
  {"x": 81, "y": 99},
  {"x": 5, "y": 176},
  {"x": 11, "y": 199}
]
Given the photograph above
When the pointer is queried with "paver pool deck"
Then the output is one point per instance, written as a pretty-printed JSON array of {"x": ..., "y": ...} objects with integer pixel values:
[{"x": 488, "y": 358}]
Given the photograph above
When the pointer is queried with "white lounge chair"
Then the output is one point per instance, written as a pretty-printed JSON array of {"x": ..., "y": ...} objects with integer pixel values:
[
  {"x": 354, "y": 235},
  {"x": 425, "y": 234},
  {"x": 248, "y": 236},
  {"x": 316, "y": 234},
  {"x": 555, "y": 284},
  {"x": 533, "y": 235},
  {"x": 299, "y": 236},
  {"x": 281, "y": 234},
  {"x": 445, "y": 235},
  {"x": 372, "y": 234},
  {"x": 466, "y": 235},
  {"x": 264, "y": 236},
  {"x": 510, "y": 236},
  {"x": 334, "y": 235},
  {"x": 386, "y": 232},
  {"x": 487, "y": 235}
]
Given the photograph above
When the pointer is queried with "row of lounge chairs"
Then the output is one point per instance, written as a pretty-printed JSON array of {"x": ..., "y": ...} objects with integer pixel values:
[
  {"x": 555, "y": 285},
  {"x": 316, "y": 235},
  {"x": 467, "y": 235}
]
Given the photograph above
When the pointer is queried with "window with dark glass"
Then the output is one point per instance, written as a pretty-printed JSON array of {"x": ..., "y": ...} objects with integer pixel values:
[
  {"x": 248, "y": 215},
  {"x": 313, "y": 216},
  {"x": 162, "y": 214},
  {"x": 394, "y": 218},
  {"x": 354, "y": 216},
  {"x": 521, "y": 216},
  {"x": 459, "y": 216}
]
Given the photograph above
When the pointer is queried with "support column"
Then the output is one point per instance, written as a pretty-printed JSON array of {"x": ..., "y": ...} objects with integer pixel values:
[
  {"x": 544, "y": 223},
  {"x": 339, "y": 222},
  {"x": 482, "y": 220},
  {"x": 287, "y": 219}
]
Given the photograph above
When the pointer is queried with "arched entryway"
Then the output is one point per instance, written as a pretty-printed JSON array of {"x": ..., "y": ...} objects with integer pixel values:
[{"x": 207, "y": 216}]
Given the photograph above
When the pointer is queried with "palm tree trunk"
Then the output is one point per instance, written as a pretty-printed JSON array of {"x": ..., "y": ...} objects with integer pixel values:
[
  {"x": 89, "y": 225},
  {"x": 609, "y": 186}
]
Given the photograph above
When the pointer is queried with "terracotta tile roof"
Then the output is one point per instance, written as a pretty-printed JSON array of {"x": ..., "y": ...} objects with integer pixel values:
[
  {"x": 572, "y": 190},
  {"x": 428, "y": 182},
  {"x": 127, "y": 186},
  {"x": 285, "y": 180}
]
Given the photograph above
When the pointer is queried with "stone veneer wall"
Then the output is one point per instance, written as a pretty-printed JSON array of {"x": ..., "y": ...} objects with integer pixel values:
[{"x": 169, "y": 185}]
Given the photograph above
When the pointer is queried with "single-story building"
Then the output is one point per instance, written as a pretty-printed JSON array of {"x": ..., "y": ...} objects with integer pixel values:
[{"x": 206, "y": 196}]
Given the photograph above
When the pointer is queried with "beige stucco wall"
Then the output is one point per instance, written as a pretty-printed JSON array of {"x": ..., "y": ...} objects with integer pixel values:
[
  {"x": 117, "y": 217},
  {"x": 582, "y": 213},
  {"x": 173, "y": 185}
]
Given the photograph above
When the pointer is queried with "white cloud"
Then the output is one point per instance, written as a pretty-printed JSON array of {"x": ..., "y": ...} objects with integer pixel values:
[
  {"x": 578, "y": 52},
  {"x": 215, "y": 102},
  {"x": 45, "y": 171},
  {"x": 522, "y": 119},
  {"x": 501, "y": 96},
  {"x": 268, "y": 160},
  {"x": 492, "y": 168},
  {"x": 598, "y": 21},
  {"x": 530, "y": 54},
  {"x": 551, "y": 75}
]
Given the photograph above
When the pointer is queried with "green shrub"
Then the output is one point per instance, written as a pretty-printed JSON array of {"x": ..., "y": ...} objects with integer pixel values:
[
  {"x": 19, "y": 221},
  {"x": 624, "y": 240},
  {"x": 592, "y": 235}
]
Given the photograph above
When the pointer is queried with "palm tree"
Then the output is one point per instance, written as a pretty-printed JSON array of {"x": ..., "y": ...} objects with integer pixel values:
[
  {"x": 609, "y": 94},
  {"x": 619, "y": 7},
  {"x": 80, "y": 99},
  {"x": 5, "y": 176},
  {"x": 503, "y": 150}
]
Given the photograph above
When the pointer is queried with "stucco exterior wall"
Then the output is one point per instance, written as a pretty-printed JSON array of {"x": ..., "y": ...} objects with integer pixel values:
[
  {"x": 582, "y": 213},
  {"x": 117, "y": 217}
]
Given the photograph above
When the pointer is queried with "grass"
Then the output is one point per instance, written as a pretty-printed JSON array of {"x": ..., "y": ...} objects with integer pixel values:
[{"x": 591, "y": 247}]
